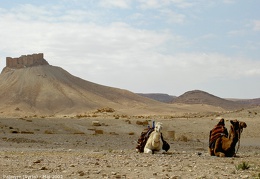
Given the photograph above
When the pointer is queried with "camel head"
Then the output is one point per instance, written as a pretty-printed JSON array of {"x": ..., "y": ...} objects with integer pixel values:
[
  {"x": 242, "y": 124},
  {"x": 238, "y": 125},
  {"x": 158, "y": 127}
]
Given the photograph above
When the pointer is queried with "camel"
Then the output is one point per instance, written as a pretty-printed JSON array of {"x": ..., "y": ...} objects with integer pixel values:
[
  {"x": 154, "y": 142},
  {"x": 224, "y": 146}
]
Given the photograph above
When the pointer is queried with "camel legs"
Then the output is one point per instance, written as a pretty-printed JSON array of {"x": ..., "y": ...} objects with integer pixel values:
[
  {"x": 148, "y": 151},
  {"x": 211, "y": 152},
  {"x": 218, "y": 146}
]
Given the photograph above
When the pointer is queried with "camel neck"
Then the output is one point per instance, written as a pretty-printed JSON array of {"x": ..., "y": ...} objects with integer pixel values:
[{"x": 233, "y": 136}]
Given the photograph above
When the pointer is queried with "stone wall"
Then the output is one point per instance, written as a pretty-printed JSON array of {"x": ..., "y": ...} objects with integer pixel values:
[{"x": 26, "y": 61}]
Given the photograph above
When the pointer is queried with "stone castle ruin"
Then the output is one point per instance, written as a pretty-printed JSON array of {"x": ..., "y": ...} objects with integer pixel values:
[{"x": 26, "y": 61}]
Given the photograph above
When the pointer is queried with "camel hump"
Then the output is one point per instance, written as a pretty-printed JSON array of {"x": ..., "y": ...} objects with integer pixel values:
[
  {"x": 143, "y": 139},
  {"x": 217, "y": 132},
  {"x": 218, "y": 129}
]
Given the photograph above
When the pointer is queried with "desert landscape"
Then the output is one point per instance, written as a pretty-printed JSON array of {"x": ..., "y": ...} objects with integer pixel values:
[{"x": 56, "y": 125}]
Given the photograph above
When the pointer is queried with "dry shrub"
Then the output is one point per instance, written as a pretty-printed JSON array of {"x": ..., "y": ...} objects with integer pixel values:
[
  {"x": 96, "y": 123},
  {"x": 82, "y": 115},
  {"x": 27, "y": 132},
  {"x": 170, "y": 135},
  {"x": 15, "y": 132},
  {"x": 94, "y": 115},
  {"x": 80, "y": 133},
  {"x": 183, "y": 138},
  {"x": 113, "y": 133},
  {"x": 128, "y": 121},
  {"x": 142, "y": 122},
  {"x": 243, "y": 166},
  {"x": 48, "y": 132},
  {"x": 99, "y": 132},
  {"x": 106, "y": 109},
  {"x": 116, "y": 116}
]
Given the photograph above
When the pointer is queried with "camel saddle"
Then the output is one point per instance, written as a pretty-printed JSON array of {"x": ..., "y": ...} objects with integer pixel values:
[
  {"x": 144, "y": 137},
  {"x": 215, "y": 133}
]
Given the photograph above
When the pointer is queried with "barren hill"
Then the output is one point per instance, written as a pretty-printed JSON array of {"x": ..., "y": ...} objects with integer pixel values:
[
  {"x": 201, "y": 97},
  {"x": 47, "y": 89}
]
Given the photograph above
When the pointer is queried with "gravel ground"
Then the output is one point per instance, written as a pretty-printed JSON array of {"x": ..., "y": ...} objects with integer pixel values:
[{"x": 74, "y": 148}]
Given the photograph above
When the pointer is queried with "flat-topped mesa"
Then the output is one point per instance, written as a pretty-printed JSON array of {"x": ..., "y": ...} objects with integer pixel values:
[{"x": 26, "y": 61}]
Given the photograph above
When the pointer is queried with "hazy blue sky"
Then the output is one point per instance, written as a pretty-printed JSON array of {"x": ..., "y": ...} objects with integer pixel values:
[{"x": 164, "y": 46}]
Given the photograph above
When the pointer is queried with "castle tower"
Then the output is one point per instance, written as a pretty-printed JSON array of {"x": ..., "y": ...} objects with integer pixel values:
[{"x": 26, "y": 61}]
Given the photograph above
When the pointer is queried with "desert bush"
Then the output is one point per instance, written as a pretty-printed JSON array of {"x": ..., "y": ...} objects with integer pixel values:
[
  {"x": 124, "y": 116},
  {"x": 116, "y": 116},
  {"x": 96, "y": 123},
  {"x": 183, "y": 138},
  {"x": 243, "y": 166},
  {"x": 113, "y": 133},
  {"x": 144, "y": 123},
  {"x": 99, "y": 132},
  {"x": 48, "y": 132},
  {"x": 106, "y": 109},
  {"x": 128, "y": 121},
  {"x": 81, "y": 116},
  {"x": 80, "y": 133},
  {"x": 256, "y": 176},
  {"x": 27, "y": 132}
]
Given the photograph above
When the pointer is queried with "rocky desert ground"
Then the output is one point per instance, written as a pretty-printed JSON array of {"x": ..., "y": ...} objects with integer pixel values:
[{"x": 103, "y": 146}]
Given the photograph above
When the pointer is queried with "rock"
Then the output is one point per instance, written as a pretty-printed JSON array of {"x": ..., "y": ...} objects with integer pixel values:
[
  {"x": 96, "y": 123},
  {"x": 113, "y": 173},
  {"x": 81, "y": 173},
  {"x": 43, "y": 168},
  {"x": 99, "y": 132},
  {"x": 37, "y": 161}
]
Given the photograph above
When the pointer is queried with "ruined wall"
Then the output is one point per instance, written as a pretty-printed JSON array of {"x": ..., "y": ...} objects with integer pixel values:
[{"x": 26, "y": 61}]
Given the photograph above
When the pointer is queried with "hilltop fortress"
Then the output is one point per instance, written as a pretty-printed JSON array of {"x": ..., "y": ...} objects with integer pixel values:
[{"x": 26, "y": 61}]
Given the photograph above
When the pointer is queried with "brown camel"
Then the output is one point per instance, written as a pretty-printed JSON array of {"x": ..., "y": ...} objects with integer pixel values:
[{"x": 224, "y": 146}]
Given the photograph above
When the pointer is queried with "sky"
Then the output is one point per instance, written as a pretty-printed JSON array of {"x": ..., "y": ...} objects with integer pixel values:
[{"x": 144, "y": 46}]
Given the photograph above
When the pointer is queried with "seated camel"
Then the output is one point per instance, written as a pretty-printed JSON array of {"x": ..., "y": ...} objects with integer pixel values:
[
  {"x": 154, "y": 142},
  {"x": 142, "y": 140},
  {"x": 221, "y": 144}
]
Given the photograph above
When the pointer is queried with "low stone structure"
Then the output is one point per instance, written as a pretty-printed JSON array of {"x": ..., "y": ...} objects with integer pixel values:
[{"x": 26, "y": 61}]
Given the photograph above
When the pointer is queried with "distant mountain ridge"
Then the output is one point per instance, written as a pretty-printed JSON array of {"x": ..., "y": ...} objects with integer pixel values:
[
  {"x": 165, "y": 98},
  {"x": 255, "y": 101},
  {"x": 202, "y": 97}
]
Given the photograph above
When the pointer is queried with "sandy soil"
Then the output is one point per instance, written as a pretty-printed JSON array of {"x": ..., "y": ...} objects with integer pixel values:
[{"x": 74, "y": 148}]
